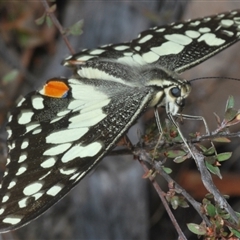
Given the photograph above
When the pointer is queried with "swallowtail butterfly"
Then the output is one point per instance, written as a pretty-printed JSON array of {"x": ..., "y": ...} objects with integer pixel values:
[{"x": 57, "y": 134}]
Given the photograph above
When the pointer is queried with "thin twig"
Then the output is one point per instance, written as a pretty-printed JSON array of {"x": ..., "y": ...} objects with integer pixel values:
[
  {"x": 161, "y": 194},
  {"x": 57, "y": 24},
  {"x": 143, "y": 155},
  {"x": 210, "y": 186}
]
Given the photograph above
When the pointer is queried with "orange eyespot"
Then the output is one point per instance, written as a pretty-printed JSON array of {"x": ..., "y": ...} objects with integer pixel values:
[{"x": 55, "y": 89}]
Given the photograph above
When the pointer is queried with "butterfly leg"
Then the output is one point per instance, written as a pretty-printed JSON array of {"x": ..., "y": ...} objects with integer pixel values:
[
  {"x": 170, "y": 116},
  {"x": 199, "y": 118}
]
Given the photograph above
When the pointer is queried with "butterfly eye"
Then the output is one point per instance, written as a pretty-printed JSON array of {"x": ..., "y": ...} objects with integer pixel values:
[{"x": 176, "y": 92}]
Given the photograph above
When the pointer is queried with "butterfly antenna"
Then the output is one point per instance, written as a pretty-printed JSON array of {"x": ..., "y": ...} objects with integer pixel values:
[{"x": 203, "y": 78}]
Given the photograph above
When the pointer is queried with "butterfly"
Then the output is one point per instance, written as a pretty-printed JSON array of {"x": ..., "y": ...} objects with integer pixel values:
[{"x": 57, "y": 134}]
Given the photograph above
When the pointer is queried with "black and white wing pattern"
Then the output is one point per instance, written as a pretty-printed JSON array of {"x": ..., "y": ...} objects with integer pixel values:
[
  {"x": 60, "y": 132},
  {"x": 176, "y": 47},
  {"x": 54, "y": 142}
]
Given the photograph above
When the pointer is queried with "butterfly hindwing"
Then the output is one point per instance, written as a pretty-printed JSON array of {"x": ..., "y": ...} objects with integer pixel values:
[{"x": 54, "y": 148}]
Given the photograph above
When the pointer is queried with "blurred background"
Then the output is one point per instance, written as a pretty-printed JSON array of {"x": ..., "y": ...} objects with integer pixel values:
[{"x": 114, "y": 201}]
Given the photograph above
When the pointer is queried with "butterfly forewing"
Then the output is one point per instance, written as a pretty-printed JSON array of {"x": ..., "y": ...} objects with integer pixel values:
[
  {"x": 176, "y": 47},
  {"x": 57, "y": 134}
]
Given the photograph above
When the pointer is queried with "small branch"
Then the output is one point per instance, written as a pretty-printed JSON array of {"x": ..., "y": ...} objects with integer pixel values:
[
  {"x": 57, "y": 24},
  {"x": 161, "y": 194},
  {"x": 210, "y": 186},
  {"x": 144, "y": 156}
]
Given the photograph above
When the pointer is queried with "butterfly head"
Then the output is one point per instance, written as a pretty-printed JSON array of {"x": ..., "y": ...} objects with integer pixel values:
[
  {"x": 175, "y": 96},
  {"x": 170, "y": 91}
]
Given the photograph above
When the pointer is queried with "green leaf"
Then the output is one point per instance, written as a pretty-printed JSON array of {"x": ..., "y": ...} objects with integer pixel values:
[
  {"x": 209, "y": 151},
  {"x": 235, "y": 232},
  {"x": 40, "y": 20},
  {"x": 221, "y": 139},
  {"x": 211, "y": 210},
  {"x": 203, "y": 148},
  {"x": 49, "y": 21},
  {"x": 230, "y": 114},
  {"x": 76, "y": 28},
  {"x": 175, "y": 153},
  {"x": 180, "y": 159},
  {"x": 211, "y": 160},
  {"x": 230, "y": 103},
  {"x": 224, "y": 156},
  {"x": 175, "y": 202},
  {"x": 167, "y": 170},
  {"x": 197, "y": 229},
  {"x": 213, "y": 169},
  {"x": 9, "y": 77},
  {"x": 52, "y": 8}
]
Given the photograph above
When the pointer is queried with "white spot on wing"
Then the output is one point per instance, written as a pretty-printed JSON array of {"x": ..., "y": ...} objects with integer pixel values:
[
  {"x": 128, "y": 54},
  {"x": 37, "y": 131},
  {"x": 85, "y": 58},
  {"x": 5, "y": 198},
  {"x": 23, "y": 203},
  {"x": 24, "y": 144},
  {"x": 138, "y": 59},
  {"x": 97, "y": 51},
  {"x": 53, "y": 191},
  {"x": 194, "y": 24},
  {"x": 228, "y": 33},
  {"x": 37, "y": 195},
  {"x": 94, "y": 73},
  {"x": 192, "y": 34},
  {"x": 21, "y": 169},
  {"x": 226, "y": 22},
  {"x": 150, "y": 57},
  {"x": 5, "y": 173},
  {"x": 145, "y": 39},
  {"x": 53, "y": 151},
  {"x": 178, "y": 38},
  {"x": 25, "y": 117},
  {"x": 80, "y": 91},
  {"x": 160, "y": 30},
  {"x": 31, "y": 126},
  {"x": 22, "y": 157},
  {"x": 12, "y": 219},
  {"x": 168, "y": 48},
  {"x": 12, "y": 184},
  {"x": 211, "y": 40},
  {"x": 48, "y": 162},
  {"x": 10, "y": 118},
  {"x": 204, "y": 30},
  {"x": 21, "y": 102},
  {"x": 92, "y": 106},
  {"x": 9, "y": 131},
  {"x": 76, "y": 151},
  {"x": 178, "y": 26},
  {"x": 37, "y": 102},
  {"x": 121, "y": 48},
  {"x": 32, "y": 188},
  {"x": 2, "y": 210},
  {"x": 86, "y": 120},
  {"x": 8, "y": 161},
  {"x": 64, "y": 136},
  {"x": 63, "y": 113},
  {"x": 137, "y": 48},
  {"x": 68, "y": 171}
]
